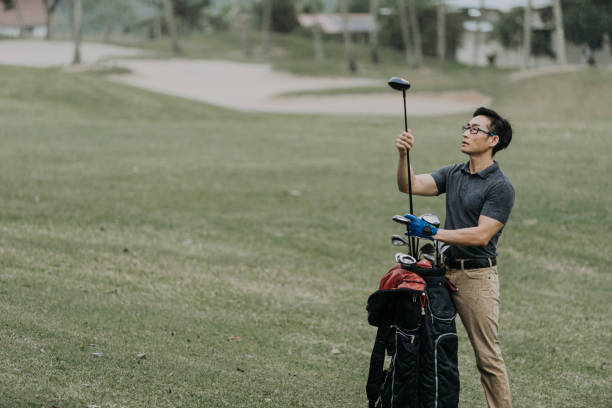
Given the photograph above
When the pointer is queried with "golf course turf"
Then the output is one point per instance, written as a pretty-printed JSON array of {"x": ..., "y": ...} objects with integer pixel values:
[{"x": 237, "y": 250}]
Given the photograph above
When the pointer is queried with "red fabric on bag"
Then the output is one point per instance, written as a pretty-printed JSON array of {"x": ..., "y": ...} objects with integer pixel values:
[{"x": 399, "y": 278}]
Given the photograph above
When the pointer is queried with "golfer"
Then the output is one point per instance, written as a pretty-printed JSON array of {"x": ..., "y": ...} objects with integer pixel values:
[{"x": 479, "y": 198}]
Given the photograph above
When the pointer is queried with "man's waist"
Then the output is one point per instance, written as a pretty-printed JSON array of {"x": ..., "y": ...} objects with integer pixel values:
[{"x": 470, "y": 263}]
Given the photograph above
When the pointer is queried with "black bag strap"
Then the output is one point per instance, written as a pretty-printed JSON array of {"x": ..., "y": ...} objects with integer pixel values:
[{"x": 376, "y": 376}]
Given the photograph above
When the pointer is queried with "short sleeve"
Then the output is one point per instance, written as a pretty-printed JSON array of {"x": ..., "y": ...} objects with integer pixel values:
[
  {"x": 440, "y": 176},
  {"x": 499, "y": 201}
]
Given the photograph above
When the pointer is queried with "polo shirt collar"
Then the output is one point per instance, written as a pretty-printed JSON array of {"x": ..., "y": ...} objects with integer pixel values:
[{"x": 483, "y": 173}]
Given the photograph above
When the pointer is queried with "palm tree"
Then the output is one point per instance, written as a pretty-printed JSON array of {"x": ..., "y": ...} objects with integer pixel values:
[
  {"x": 373, "y": 37},
  {"x": 50, "y": 5},
  {"x": 267, "y": 23},
  {"x": 559, "y": 33},
  {"x": 77, "y": 29},
  {"x": 243, "y": 26},
  {"x": 169, "y": 13},
  {"x": 405, "y": 29},
  {"x": 526, "y": 36},
  {"x": 316, "y": 33},
  {"x": 441, "y": 31},
  {"x": 416, "y": 33},
  {"x": 348, "y": 43}
]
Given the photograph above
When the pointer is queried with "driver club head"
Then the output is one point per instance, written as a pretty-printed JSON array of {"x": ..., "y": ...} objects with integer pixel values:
[
  {"x": 431, "y": 219},
  {"x": 397, "y": 240},
  {"x": 399, "y": 84}
]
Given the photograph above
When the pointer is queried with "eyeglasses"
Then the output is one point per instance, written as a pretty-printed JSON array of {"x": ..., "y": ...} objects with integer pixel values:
[{"x": 475, "y": 130}]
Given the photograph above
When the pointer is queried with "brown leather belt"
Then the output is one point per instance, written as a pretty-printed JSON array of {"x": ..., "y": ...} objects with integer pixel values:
[{"x": 474, "y": 263}]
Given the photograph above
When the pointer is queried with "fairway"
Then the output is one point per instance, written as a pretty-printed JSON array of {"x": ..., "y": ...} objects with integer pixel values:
[{"x": 237, "y": 250}]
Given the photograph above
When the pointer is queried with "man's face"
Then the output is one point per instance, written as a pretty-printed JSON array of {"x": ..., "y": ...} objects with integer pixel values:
[{"x": 481, "y": 141}]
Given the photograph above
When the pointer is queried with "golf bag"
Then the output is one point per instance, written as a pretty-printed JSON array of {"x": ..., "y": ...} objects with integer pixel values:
[{"x": 416, "y": 327}]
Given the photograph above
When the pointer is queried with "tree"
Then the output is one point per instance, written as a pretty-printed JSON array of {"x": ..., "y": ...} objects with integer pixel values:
[
  {"x": 348, "y": 43},
  {"x": 441, "y": 31},
  {"x": 405, "y": 30},
  {"x": 477, "y": 43},
  {"x": 526, "y": 36},
  {"x": 266, "y": 26},
  {"x": 244, "y": 23},
  {"x": 416, "y": 33},
  {"x": 587, "y": 22},
  {"x": 50, "y": 5},
  {"x": 559, "y": 33},
  {"x": 316, "y": 32},
  {"x": 171, "y": 24},
  {"x": 77, "y": 29},
  {"x": 373, "y": 35}
]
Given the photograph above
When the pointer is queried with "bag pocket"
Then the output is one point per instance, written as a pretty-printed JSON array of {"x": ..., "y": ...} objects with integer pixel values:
[
  {"x": 440, "y": 303},
  {"x": 446, "y": 371},
  {"x": 408, "y": 315},
  {"x": 405, "y": 376}
]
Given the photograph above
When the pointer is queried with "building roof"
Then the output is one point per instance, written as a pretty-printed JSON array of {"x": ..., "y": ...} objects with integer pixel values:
[
  {"x": 334, "y": 23},
  {"x": 496, "y": 4},
  {"x": 25, "y": 13}
]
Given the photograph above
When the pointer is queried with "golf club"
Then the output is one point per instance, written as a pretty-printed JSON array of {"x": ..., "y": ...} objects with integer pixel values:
[
  {"x": 430, "y": 219},
  {"x": 441, "y": 247},
  {"x": 430, "y": 258},
  {"x": 400, "y": 84},
  {"x": 397, "y": 240},
  {"x": 404, "y": 259},
  {"x": 426, "y": 249},
  {"x": 400, "y": 219},
  {"x": 435, "y": 221}
]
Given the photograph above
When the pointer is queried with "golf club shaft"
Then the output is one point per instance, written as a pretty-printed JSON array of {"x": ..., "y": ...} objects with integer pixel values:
[{"x": 412, "y": 241}]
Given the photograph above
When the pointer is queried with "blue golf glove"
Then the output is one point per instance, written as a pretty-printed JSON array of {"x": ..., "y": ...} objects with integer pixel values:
[{"x": 420, "y": 228}]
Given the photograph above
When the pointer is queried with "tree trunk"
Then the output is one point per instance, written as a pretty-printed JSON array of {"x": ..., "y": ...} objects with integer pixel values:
[
  {"x": 441, "y": 29},
  {"x": 416, "y": 33},
  {"x": 19, "y": 18},
  {"x": 77, "y": 29},
  {"x": 526, "y": 36},
  {"x": 405, "y": 28},
  {"x": 319, "y": 52},
  {"x": 373, "y": 37},
  {"x": 47, "y": 19},
  {"x": 171, "y": 23},
  {"x": 267, "y": 23},
  {"x": 559, "y": 33},
  {"x": 348, "y": 43},
  {"x": 243, "y": 27},
  {"x": 478, "y": 39}
]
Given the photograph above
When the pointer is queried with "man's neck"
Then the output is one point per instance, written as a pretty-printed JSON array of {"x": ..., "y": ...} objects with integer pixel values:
[{"x": 480, "y": 162}]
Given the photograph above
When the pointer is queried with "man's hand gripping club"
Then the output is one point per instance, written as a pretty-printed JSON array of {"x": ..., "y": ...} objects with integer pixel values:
[{"x": 420, "y": 228}]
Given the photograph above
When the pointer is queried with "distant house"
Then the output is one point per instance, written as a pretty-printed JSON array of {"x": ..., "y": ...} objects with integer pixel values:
[
  {"x": 334, "y": 23},
  {"x": 27, "y": 17},
  {"x": 479, "y": 46}
]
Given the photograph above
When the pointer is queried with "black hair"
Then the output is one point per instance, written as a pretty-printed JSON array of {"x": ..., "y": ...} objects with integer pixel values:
[{"x": 499, "y": 126}]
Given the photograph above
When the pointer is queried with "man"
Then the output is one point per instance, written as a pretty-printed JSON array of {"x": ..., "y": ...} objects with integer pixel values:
[{"x": 479, "y": 198}]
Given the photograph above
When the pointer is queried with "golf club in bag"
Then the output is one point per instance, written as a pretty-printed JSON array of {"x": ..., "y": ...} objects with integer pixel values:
[{"x": 400, "y": 84}]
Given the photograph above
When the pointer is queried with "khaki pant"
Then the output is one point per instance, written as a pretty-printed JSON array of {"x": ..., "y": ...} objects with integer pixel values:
[{"x": 477, "y": 304}]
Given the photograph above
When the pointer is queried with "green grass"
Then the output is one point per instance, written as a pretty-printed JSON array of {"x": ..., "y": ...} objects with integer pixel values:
[{"x": 143, "y": 223}]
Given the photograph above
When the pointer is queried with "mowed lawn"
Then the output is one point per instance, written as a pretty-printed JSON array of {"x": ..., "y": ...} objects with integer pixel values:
[{"x": 236, "y": 250}]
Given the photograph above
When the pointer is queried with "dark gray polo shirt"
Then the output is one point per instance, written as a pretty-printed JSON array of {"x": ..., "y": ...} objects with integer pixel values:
[{"x": 488, "y": 192}]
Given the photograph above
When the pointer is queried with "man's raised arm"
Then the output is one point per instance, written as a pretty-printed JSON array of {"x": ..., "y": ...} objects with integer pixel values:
[{"x": 422, "y": 184}]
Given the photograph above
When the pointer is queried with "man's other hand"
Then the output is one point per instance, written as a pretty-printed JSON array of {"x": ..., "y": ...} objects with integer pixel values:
[{"x": 404, "y": 142}]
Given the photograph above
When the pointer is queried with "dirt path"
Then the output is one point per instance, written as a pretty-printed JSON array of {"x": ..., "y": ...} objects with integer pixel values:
[{"x": 243, "y": 86}]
